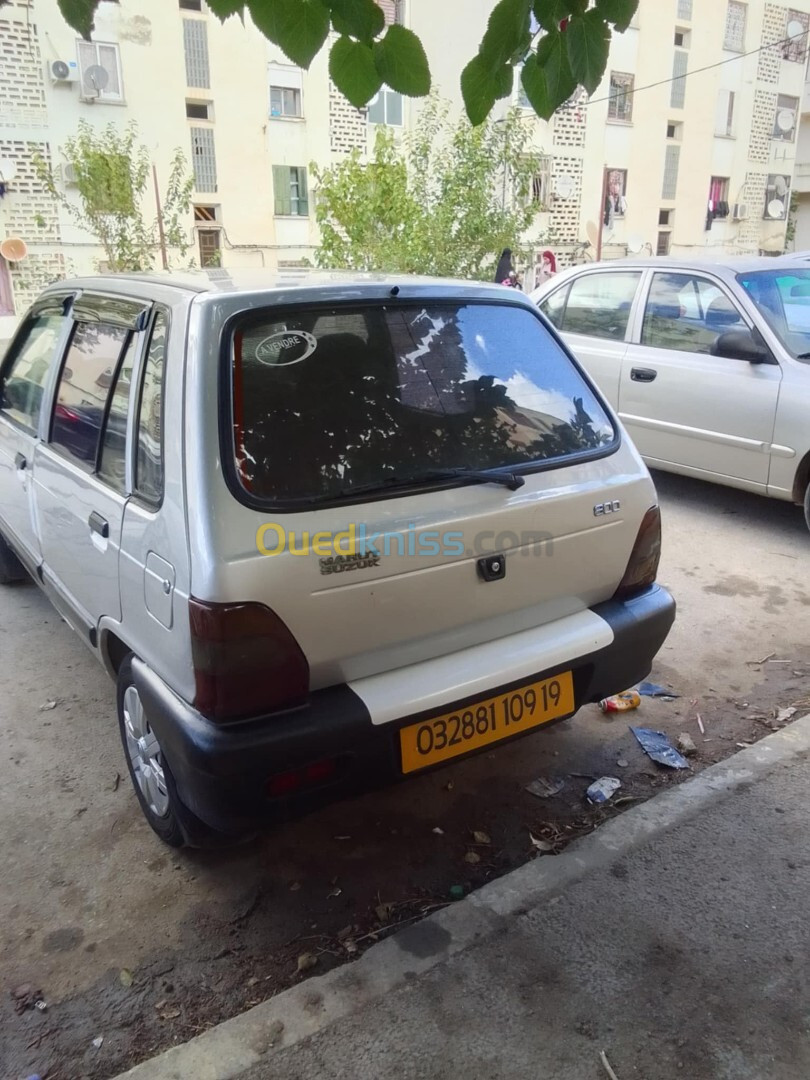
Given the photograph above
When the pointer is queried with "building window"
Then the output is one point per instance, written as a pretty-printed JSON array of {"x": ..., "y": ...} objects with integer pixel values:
[
  {"x": 795, "y": 47},
  {"x": 674, "y": 130},
  {"x": 206, "y": 213},
  {"x": 6, "y": 295},
  {"x": 784, "y": 121},
  {"x": 198, "y": 110},
  {"x": 677, "y": 96},
  {"x": 195, "y": 46},
  {"x": 620, "y": 103},
  {"x": 684, "y": 9},
  {"x": 100, "y": 69},
  {"x": 191, "y": 5},
  {"x": 724, "y": 115},
  {"x": 665, "y": 217},
  {"x": 386, "y": 108},
  {"x": 662, "y": 247},
  {"x": 718, "y": 199},
  {"x": 399, "y": 12},
  {"x": 541, "y": 184},
  {"x": 777, "y": 197},
  {"x": 615, "y": 201},
  {"x": 671, "y": 160},
  {"x": 734, "y": 39},
  {"x": 285, "y": 102},
  {"x": 290, "y": 191},
  {"x": 683, "y": 38},
  {"x": 203, "y": 159},
  {"x": 210, "y": 250}
]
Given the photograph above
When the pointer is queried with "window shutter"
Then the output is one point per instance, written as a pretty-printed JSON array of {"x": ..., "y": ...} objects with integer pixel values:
[
  {"x": 671, "y": 161},
  {"x": 203, "y": 159},
  {"x": 195, "y": 46},
  {"x": 678, "y": 94},
  {"x": 303, "y": 199},
  {"x": 281, "y": 189}
]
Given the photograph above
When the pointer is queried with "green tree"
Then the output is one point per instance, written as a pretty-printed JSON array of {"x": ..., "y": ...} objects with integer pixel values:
[
  {"x": 556, "y": 44},
  {"x": 445, "y": 201},
  {"x": 112, "y": 173}
]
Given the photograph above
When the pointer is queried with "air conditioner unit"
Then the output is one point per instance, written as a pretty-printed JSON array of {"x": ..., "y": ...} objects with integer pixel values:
[
  {"x": 63, "y": 71},
  {"x": 740, "y": 212},
  {"x": 69, "y": 174}
]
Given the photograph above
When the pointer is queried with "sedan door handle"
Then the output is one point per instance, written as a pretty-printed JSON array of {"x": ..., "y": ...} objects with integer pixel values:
[
  {"x": 19, "y": 461},
  {"x": 643, "y": 374},
  {"x": 99, "y": 525}
]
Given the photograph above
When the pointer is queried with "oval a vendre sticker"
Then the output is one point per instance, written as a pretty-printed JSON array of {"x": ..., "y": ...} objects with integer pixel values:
[{"x": 286, "y": 347}]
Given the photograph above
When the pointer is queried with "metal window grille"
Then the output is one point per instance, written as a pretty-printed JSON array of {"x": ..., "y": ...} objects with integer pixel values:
[
  {"x": 203, "y": 159},
  {"x": 677, "y": 96},
  {"x": 195, "y": 45},
  {"x": 107, "y": 56},
  {"x": 662, "y": 248},
  {"x": 671, "y": 161},
  {"x": 620, "y": 105},
  {"x": 734, "y": 39},
  {"x": 795, "y": 48},
  {"x": 684, "y": 9}
]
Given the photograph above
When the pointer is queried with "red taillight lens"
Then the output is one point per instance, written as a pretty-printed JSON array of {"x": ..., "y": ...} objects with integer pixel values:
[
  {"x": 246, "y": 661},
  {"x": 644, "y": 558},
  {"x": 318, "y": 772}
]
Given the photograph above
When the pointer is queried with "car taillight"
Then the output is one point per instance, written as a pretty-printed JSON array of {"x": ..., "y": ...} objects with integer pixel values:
[
  {"x": 312, "y": 775},
  {"x": 643, "y": 564},
  {"x": 246, "y": 661}
]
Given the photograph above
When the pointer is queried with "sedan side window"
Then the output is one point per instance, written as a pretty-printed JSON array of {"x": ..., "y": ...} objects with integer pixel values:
[
  {"x": 26, "y": 370},
  {"x": 687, "y": 312},
  {"x": 599, "y": 304},
  {"x": 553, "y": 307},
  {"x": 149, "y": 430}
]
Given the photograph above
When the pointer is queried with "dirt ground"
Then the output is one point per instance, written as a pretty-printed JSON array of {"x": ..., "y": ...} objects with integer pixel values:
[{"x": 136, "y": 945}]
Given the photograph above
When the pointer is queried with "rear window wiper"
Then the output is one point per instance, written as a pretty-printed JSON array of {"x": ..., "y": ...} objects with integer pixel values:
[{"x": 509, "y": 479}]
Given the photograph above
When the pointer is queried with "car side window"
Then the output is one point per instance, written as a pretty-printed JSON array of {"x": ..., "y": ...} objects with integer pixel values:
[
  {"x": 26, "y": 368},
  {"x": 149, "y": 428},
  {"x": 553, "y": 307},
  {"x": 599, "y": 304},
  {"x": 112, "y": 462},
  {"x": 84, "y": 385},
  {"x": 687, "y": 312}
]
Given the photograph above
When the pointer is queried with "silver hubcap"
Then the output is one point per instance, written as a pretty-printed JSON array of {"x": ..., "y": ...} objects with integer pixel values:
[{"x": 144, "y": 752}]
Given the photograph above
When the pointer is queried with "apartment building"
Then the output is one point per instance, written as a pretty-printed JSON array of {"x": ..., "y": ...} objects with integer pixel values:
[{"x": 687, "y": 147}]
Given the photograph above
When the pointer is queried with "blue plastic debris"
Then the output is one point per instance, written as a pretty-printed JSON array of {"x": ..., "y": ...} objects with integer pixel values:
[
  {"x": 603, "y": 789},
  {"x": 651, "y": 689},
  {"x": 657, "y": 746}
]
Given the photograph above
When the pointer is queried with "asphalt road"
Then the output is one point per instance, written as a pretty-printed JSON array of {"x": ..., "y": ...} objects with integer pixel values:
[{"x": 142, "y": 945}]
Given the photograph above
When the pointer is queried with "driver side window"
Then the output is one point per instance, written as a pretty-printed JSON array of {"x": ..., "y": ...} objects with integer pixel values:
[{"x": 688, "y": 313}]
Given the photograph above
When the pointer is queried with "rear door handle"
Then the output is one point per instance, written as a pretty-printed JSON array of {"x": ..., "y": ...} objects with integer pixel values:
[
  {"x": 19, "y": 461},
  {"x": 643, "y": 374},
  {"x": 99, "y": 525}
]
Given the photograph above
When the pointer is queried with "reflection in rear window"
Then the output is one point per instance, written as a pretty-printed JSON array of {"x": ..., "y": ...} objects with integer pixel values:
[{"x": 328, "y": 401}]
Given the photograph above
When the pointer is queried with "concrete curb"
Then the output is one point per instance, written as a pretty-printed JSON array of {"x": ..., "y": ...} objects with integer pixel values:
[{"x": 231, "y": 1048}]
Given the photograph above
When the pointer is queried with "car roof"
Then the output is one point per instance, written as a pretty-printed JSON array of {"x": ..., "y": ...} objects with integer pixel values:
[
  {"x": 217, "y": 282},
  {"x": 734, "y": 263}
]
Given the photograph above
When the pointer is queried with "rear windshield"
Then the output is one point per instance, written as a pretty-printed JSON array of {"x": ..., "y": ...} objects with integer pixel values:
[{"x": 330, "y": 401}]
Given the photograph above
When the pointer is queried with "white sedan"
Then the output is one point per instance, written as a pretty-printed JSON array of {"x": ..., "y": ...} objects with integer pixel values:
[{"x": 706, "y": 363}]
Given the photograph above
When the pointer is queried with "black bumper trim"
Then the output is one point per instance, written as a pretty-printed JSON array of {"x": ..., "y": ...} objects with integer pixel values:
[{"x": 221, "y": 771}]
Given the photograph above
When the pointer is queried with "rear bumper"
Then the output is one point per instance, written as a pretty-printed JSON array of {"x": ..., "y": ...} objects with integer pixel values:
[{"x": 221, "y": 772}]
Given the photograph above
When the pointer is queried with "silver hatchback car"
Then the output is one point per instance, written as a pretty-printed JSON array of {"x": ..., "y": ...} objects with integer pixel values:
[{"x": 323, "y": 532}]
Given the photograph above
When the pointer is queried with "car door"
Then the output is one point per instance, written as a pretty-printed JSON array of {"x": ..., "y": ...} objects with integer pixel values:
[
  {"x": 592, "y": 311},
  {"x": 80, "y": 471},
  {"x": 686, "y": 408},
  {"x": 24, "y": 377}
]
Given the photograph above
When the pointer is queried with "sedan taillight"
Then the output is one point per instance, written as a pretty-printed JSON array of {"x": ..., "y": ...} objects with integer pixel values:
[{"x": 642, "y": 566}]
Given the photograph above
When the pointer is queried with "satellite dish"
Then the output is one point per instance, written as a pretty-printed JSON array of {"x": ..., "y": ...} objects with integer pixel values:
[
  {"x": 96, "y": 78},
  {"x": 8, "y": 169},
  {"x": 795, "y": 28},
  {"x": 564, "y": 186},
  {"x": 14, "y": 249},
  {"x": 776, "y": 208},
  {"x": 785, "y": 119},
  {"x": 592, "y": 232},
  {"x": 635, "y": 244}
]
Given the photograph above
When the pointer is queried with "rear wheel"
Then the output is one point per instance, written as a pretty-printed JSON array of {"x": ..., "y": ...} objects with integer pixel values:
[
  {"x": 807, "y": 506},
  {"x": 11, "y": 569},
  {"x": 149, "y": 771}
]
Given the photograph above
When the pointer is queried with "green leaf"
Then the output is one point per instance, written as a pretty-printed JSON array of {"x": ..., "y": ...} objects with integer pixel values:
[
  {"x": 79, "y": 14},
  {"x": 536, "y": 86},
  {"x": 588, "y": 40},
  {"x": 479, "y": 88},
  {"x": 504, "y": 81},
  {"x": 550, "y": 13},
  {"x": 618, "y": 12},
  {"x": 506, "y": 31},
  {"x": 552, "y": 60},
  {"x": 362, "y": 19},
  {"x": 224, "y": 8},
  {"x": 402, "y": 63},
  {"x": 352, "y": 69},
  {"x": 299, "y": 27}
]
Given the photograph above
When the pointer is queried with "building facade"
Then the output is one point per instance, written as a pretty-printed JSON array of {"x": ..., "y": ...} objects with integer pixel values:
[{"x": 687, "y": 147}]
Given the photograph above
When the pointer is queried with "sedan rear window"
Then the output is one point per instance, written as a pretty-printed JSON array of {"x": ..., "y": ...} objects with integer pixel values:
[{"x": 330, "y": 401}]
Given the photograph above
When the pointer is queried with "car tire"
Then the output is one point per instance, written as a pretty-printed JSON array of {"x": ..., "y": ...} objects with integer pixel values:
[
  {"x": 151, "y": 775},
  {"x": 807, "y": 506},
  {"x": 11, "y": 569}
]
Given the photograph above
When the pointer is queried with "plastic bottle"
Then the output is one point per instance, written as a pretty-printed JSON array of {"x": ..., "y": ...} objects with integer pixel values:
[{"x": 624, "y": 702}]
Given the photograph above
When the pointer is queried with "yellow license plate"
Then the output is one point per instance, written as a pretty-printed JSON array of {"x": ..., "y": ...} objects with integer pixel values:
[{"x": 488, "y": 721}]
